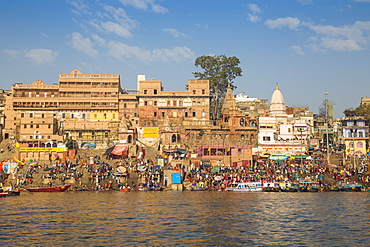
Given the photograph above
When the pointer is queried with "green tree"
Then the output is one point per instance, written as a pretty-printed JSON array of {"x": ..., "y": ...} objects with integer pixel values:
[
  {"x": 220, "y": 71},
  {"x": 362, "y": 110}
]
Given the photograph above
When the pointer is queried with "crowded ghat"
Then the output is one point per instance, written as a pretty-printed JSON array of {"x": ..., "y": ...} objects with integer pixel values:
[{"x": 177, "y": 172}]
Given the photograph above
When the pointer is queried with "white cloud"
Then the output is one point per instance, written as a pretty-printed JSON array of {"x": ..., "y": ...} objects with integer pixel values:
[
  {"x": 363, "y": 1},
  {"x": 13, "y": 53},
  {"x": 255, "y": 10},
  {"x": 292, "y": 23},
  {"x": 99, "y": 40},
  {"x": 116, "y": 29},
  {"x": 343, "y": 38},
  {"x": 41, "y": 56},
  {"x": 253, "y": 18},
  {"x": 83, "y": 45},
  {"x": 122, "y": 52},
  {"x": 298, "y": 50},
  {"x": 340, "y": 44},
  {"x": 80, "y": 7},
  {"x": 146, "y": 5},
  {"x": 174, "y": 32}
]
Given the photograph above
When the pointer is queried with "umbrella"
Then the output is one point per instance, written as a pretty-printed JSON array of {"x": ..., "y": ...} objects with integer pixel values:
[
  {"x": 218, "y": 178},
  {"x": 48, "y": 169}
]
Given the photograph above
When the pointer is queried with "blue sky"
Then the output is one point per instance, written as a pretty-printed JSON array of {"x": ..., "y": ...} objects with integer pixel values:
[{"x": 308, "y": 46}]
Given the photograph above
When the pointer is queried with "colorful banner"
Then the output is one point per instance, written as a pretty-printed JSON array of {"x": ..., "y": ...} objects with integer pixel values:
[
  {"x": 35, "y": 149},
  {"x": 151, "y": 132}
]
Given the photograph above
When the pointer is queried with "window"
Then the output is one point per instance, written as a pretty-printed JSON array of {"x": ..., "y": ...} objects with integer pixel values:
[
  {"x": 124, "y": 105},
  {"x": 194, "y": 114},
  {"x": 289, "y": 130},
  {"x": 180, "y": 103},
  {"x": 145, "y": 123},
  {"x": 350, "y": 144},
  {"x": 186, "y": 114},
  {"x": 95, "y": 115},
  {"x": 72, "y": 115},
  {"x": 83, "y": 115},
  {"x": 105, "y": 116},
  {"x": 79, "y": 134},
  {"x": 203, "y": 114},
  {"x": 154, "y": 102},
  {"x": 168, "y": 103},
  {"x": 162, "y": 114},
  {"x": 25, "y": 126},
  {"x": 135, "y": 105},
  {"x": 155, "y": 123},
  {"x": 37, "y": 126},
  {"x": 31, "y": 114},
  {"x": 114, "y": 116},
  {"x": 31, "y": 126},
  {"x": 22, "y": 114},
  {"x": 49, "y": 126},
  {"x": 266, "y": 138},
  {"x": 194, "y": 91},
  {"x": 155, "y": 114},
  {"x": 174, "y": 102},
  {"x": 155, "y": 91},
  {"x": 42, "y": 115},
  {"x": 63, "y": 115},
  {"x": 145, "y": 91}
]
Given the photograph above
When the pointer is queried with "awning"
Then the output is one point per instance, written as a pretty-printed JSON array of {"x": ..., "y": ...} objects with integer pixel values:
[
  {"x": 109, "y": 150},
  {"x": 120, "y": 150},
  {"x": 299, "y": 156},
  {"x": 278, "y": 157}
]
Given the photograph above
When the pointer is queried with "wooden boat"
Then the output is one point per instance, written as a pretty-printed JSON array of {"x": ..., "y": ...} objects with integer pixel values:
[
  {"x": 270, "y": 187},
  {"x": 3, "y": 194},
  {"x": 247, "y": 187},
  {"x": 197, "y": 188},
  {"x": 288, "y": 187},
  {"x": 353, "y": 187},
  {"x": 309, "y": 186},
  {"x": 11, "y": 191},
  {"x": 50, "y": 189}
]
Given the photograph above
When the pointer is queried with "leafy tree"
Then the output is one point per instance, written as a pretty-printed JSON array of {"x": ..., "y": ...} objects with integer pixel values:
[
  {"x": 362, "y": 110},
  {"x": 220, "y": 71}
]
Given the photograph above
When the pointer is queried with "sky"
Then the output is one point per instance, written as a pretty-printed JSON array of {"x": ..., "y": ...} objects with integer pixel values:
[{"x": 308, "y": 47}]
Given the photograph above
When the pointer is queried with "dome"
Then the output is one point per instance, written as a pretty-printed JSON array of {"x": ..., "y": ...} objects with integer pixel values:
[
  {"x": 277, "y": 97},
  {"x": 277, "y": 105}
]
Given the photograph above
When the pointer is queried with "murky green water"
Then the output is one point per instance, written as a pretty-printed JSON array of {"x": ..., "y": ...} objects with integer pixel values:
[{"x": 185, "y": 219}]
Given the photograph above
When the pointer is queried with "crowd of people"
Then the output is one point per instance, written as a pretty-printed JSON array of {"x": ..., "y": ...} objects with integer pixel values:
[{"x": 95, "y": 173}]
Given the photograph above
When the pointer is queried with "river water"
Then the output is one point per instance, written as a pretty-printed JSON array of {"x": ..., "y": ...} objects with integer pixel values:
[{"x": 199, "y": 218}]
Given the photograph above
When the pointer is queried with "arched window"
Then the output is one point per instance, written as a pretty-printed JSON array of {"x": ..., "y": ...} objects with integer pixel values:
[
  {"x": 48, "y": 145},
  {"x": 359, "y": 144},
  {"x": 174, "y": 138},
  {"x": 129, "y": 139},
  {"x": 350, "y": 144},
  {"x": 242, "y": 122}
]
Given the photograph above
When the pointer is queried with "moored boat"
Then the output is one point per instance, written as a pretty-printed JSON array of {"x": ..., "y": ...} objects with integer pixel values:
[
  {"x": 309, "y": 186},
  {"x": 352, "y": 187},
  {"x": 49, "y": 189},
  {"x": 288, "y": 187},
  {"x": 3, "y": 194},
  {"x": 247, "y": 187},
  {"x": 270, "y": 187}
]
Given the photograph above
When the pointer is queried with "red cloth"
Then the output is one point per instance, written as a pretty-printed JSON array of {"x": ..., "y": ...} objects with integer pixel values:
[{"x": 120, "y": 150}]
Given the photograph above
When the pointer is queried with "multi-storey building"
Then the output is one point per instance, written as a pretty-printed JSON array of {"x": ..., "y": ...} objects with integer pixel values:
[
  {"x": 88, "y": 107},
  {"x": 355, "y": 135}
]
